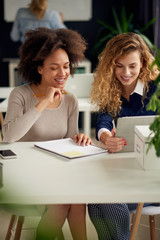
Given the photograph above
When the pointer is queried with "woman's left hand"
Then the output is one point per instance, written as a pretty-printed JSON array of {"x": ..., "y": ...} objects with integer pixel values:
[{"x": 82, "y": 139}]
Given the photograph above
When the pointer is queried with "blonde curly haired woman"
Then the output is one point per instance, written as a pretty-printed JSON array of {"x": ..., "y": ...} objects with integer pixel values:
[{"x": 123, "y": 85}]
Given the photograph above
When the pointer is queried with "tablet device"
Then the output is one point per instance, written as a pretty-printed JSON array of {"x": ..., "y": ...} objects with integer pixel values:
[{"x": 125, "y": 129}]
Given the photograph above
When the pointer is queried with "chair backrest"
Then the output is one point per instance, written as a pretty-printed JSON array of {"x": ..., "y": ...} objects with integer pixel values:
[{"x": 80, "y": 84}]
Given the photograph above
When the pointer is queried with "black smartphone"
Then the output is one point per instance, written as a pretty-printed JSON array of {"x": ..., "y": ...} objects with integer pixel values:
[{"x": 7, "y": 154}]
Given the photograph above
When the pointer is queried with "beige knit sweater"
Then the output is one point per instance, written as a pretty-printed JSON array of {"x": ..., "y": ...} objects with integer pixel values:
[{"x": 23, "y": 122}]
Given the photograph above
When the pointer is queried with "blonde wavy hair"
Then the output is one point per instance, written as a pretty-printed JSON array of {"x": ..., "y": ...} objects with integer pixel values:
[
  {"x": 38, "y": 8},
  {"x": 106, "y": 89}
]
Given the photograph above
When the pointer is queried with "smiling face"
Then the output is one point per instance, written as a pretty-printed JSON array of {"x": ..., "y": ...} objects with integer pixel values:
[
  {"x": 55, "y": 70},
  {"x": 128, "y": 68}
]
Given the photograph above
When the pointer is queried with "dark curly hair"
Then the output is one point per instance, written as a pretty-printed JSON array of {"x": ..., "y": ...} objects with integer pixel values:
[{"x": 41, "y": 42}]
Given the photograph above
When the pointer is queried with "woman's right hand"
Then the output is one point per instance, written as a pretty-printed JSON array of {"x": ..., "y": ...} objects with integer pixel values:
[
  {"x": 52, "y": 93},
  {"x": 113, "y": 144},
  {"x": 50, "y": 96}
]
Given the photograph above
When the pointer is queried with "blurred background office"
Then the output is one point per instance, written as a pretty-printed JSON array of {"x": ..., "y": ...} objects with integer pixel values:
[
  {"x": 36, "y": 14},
  {"x": 143, "y": 11},
  {"x": 96, "y": 21}
]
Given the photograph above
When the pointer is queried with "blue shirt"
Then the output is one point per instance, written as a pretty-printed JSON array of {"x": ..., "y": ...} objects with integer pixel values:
[
  {"x": 133, "y": 107},
  {"x": 26, "y": 20}
]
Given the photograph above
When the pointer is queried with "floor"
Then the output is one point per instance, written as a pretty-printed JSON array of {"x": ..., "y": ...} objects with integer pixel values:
[
  {"x": 144, "y": 230},
  {"x": 30, "y": 224}
]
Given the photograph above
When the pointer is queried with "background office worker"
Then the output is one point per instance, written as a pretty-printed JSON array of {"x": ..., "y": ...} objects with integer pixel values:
[
  {"x": 39, "y": 111},
  {"x": 123, "y": 85},
  {"x": 34, "y": 16}
]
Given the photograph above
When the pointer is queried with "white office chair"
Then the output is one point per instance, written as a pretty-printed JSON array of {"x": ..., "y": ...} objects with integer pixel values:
[
  {"x": 151, "y": 211},
  {"x": 80, "y": 84}
]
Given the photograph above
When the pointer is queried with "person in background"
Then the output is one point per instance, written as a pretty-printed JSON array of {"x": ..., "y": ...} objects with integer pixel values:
[
  {"x": 36, "y": 15},
  {"x": 123, "y": 85},
  {"x": 42, "y": 110}
]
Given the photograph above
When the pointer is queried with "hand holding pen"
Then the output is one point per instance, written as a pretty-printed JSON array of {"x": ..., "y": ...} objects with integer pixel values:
[{"x": 51, "y": 96}]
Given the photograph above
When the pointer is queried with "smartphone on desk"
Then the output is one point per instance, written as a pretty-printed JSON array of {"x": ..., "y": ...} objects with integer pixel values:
[{"x": 7, "y": 154}]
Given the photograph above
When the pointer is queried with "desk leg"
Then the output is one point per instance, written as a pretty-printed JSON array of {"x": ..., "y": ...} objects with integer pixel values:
[
  {"x": 1, "y": 118},
  {"x": 87, "y": 123},
  {"x": 1, "y": 122},
  {"x": 136, "y": 221}
]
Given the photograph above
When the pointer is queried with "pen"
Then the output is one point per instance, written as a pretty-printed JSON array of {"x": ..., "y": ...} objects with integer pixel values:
[
  {"x": 42, "y": 95},
  {"x": 63, "y": 92},
  {"x": 39, "y": 95}
]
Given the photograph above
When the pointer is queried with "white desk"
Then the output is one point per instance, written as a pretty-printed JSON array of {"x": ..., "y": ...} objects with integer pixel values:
[
  {"x": 84, "y": 106},
  {"x": 84, "y": 67},
  {"x": 12, "y": 66},
  {"x": 3, "y": 105},
  {"x": 5, "y": 92},
  {"x": 40, "y": 177}
]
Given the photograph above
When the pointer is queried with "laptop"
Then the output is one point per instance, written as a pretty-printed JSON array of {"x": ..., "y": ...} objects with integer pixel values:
[{"x": 125, "y": 129}]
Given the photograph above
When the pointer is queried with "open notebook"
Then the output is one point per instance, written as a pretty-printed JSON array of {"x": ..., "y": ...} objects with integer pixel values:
[{"x": 69, "y": 149}]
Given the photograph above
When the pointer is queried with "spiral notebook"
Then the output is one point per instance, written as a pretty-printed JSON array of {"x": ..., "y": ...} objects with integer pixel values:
[{"x": 69, "y": 149}]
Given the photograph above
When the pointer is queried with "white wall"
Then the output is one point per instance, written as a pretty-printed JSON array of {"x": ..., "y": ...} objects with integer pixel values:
[{"x": 73, "y": 10}]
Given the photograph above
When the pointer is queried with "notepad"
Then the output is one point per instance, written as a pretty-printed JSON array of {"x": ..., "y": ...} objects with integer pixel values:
[{"x": 69, "y": 149}]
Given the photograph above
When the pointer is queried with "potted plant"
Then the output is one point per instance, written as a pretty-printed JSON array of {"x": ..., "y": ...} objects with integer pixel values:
[
  {"x": 154, "y": 105},
  {"x": 122, "y": 24}
]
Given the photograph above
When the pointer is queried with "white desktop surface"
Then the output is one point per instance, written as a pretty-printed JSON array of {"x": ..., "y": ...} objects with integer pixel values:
[
  {"x": 40, "y": 177},
  {"x": 5, "y": 91},
  {"x": 13, "y": 64},
  {"x": 3, "y": 105}
]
